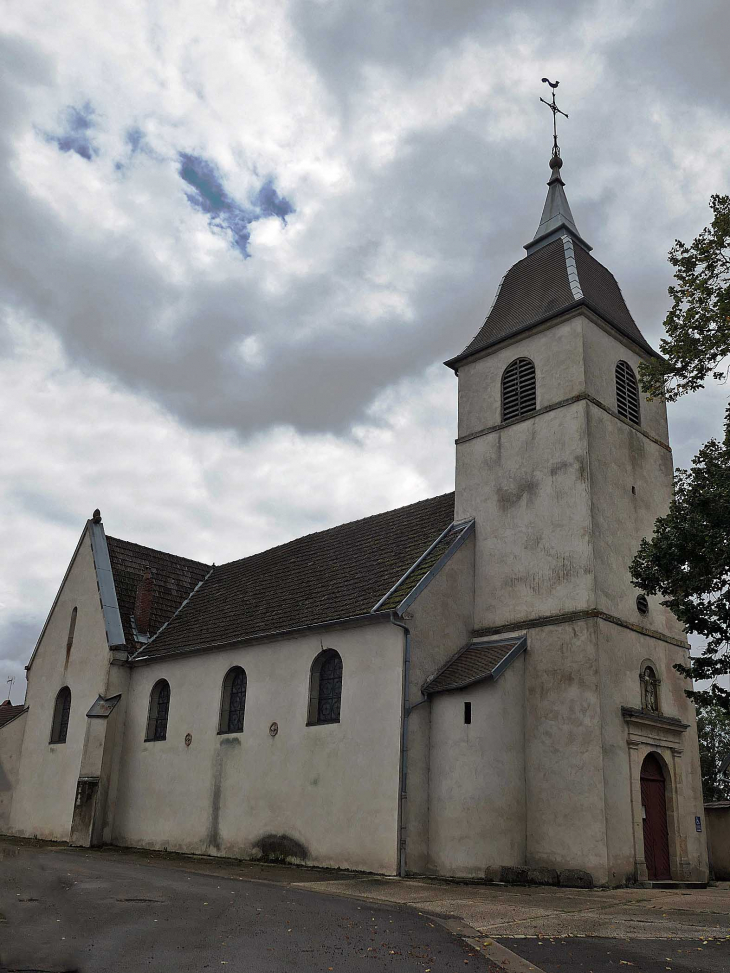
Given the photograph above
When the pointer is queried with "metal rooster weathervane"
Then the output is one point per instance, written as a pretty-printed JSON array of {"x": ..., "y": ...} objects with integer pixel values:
[{"x": 556, "y": 111}]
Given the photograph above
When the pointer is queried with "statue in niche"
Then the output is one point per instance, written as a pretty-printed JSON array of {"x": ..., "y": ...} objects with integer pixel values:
[{"x": 650, "y": 690}]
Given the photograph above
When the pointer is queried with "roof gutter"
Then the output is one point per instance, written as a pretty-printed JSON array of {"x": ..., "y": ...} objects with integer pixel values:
[
  {"x": 406, "y": 711},
  {"x": 403, "y": 783}
]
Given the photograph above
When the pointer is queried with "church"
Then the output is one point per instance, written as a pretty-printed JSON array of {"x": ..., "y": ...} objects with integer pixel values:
[{"x": 467, "y": 686}]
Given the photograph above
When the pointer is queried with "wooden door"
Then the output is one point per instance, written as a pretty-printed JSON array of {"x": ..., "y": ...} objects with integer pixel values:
[{"x": 654, "y": 810}]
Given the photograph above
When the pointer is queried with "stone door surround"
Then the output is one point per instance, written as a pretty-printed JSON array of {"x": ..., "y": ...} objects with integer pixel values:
[{"x": 663, "y": 736}]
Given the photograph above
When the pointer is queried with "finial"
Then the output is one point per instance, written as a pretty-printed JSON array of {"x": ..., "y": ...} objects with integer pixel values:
[
  {"x": 96, "y": 516},
  {"x": 555, "y": 160}
]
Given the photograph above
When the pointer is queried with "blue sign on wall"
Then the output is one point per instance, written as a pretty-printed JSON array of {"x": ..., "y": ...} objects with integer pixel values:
[{"x": 698, "y": 823}]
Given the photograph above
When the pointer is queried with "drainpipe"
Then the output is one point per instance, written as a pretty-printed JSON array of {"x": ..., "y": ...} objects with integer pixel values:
[{"x": 407, "y": 709}]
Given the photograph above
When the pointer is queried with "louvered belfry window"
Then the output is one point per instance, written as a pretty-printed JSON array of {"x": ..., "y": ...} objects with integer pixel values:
[
  {"x": 627, "y": 393},
  {"x": 519, "y": 389}
]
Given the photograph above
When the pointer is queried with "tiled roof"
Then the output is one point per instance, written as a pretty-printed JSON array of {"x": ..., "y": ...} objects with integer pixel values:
[
  {"x": 174, "y": 579},
  {"x": 333, "y": 574},
  {"x": 8, "y": 712},
  {"x": 539, "y": 287},
  {"x": 477, "y": 660}
]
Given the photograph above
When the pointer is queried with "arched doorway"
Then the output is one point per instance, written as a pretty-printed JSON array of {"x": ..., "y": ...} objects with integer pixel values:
[{"x": 654, "y": 812}]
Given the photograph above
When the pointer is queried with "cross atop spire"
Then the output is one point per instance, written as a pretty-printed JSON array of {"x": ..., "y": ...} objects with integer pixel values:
[
  {"x": 556, "y": 219},
  {"x": 556, "y": 111}
]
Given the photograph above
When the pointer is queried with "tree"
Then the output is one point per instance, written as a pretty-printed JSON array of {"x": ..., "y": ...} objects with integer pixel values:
[
  {"x": 713, "y": 729},
  {"x": 687, "y": 561},
  {"x": 698, "y": 323}
]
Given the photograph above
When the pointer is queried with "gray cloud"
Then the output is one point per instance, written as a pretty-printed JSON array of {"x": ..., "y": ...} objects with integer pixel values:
[
  {"x": 380, "y": 165},
  {"x": 459, "y": 195}
]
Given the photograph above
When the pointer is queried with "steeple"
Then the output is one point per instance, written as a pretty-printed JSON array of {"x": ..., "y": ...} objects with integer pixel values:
[
  {"x": 556, "y": 219},
  {"x": 557, "y": 276}
]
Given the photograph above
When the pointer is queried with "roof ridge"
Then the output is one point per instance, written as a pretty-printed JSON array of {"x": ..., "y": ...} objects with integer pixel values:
[
  {"x": 572, "y": 267},
  {"x": 155, "y": 550},
  {"x": 326, "y": 530}
]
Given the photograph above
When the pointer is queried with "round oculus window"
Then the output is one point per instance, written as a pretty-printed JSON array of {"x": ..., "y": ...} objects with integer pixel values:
[{"x": 642, "y": 605}]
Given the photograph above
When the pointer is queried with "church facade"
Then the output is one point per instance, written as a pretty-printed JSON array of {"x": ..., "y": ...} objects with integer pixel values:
[{"x": 466, "y": 686}]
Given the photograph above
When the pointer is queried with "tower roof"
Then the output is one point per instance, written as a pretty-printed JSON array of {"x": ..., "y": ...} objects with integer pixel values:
[
  {"x": 557, "y": 275},
  {"x": 556, "y": 218}
]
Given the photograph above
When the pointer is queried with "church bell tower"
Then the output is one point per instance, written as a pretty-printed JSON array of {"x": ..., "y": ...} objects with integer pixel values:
[{"x": 564, "y": 466}]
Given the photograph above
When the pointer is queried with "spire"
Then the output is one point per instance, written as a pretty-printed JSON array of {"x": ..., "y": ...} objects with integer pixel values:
[{"x": 556, "y": 219}]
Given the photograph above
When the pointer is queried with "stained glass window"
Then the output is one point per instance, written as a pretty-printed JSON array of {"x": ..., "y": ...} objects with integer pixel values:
[
  {"x": 233, "y": 702},
  {"x": 159, "y": 711},
  {"x": 61, "y": 714},
  {"x": 330, "y": 688}
]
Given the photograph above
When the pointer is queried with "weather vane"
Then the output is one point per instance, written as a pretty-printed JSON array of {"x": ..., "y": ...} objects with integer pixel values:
[{"x": 556, "y": 111}]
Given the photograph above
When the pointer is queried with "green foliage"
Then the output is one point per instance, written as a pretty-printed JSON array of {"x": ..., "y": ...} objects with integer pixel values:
[
  {"x": 713, "y": 729},
  {"x": 687, "y": 561},
  {"x": 698, "y": 324}
]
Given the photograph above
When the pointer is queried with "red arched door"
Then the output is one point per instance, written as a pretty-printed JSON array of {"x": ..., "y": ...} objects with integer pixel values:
[{"x": 654, "y": 810}]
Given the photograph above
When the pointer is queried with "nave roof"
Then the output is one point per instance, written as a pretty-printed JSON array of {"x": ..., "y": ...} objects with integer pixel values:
[{"x": 340, "y": 573}]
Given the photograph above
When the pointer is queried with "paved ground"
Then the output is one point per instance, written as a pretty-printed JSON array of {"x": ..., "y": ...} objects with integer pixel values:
[
  {"x": 632, "y": 956},
  {"x": 504, "y": 912},
  {"x": 115, "y": 909},
  {"x": 66, "y": 910}
]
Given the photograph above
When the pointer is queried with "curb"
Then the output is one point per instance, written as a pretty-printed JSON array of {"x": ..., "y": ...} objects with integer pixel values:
[{"x": 494, "y": 952}]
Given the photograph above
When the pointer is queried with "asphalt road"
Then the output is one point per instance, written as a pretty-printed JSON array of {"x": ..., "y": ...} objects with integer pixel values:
[
  {"x": 65, "y": 910},
  {"x": 594, "y": 955}
]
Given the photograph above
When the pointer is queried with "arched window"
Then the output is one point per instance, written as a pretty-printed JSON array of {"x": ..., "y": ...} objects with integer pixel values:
[
  {"x": 158, "y": 712},
  {"x": 325, "y": 688},
  {"x": 519, "y": 389},
  {"x": 61, "y": 713},
  {"x": 233, "y": 701},
  {"x": 649, "y": 690},
  {"x": 627, "y": 393},
  {"x": 71, "y": 630}
]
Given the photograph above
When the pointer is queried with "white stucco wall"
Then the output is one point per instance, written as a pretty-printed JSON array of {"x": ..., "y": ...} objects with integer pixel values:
[
  {"x": 44, "y": 797},
  {"x": 564, "y": 760},
  {"x": 332, "y": 788},
  {"x": 527, "y": 486},
  {"x": 557, "y": 354},
  {"x": 631, "y": 485},
  {"x": 477, "y": 783},
  {"x": 440, "y": 621},
  {"x": 11, "y": 743},
  {"x": 601, "y": 353}
]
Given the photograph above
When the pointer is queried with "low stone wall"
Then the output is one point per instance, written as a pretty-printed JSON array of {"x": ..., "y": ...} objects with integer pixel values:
[{"x": 717, "y": 818}]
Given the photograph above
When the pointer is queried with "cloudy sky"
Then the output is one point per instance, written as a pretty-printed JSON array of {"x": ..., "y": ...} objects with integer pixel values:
[{"x": 238, "y": 239}]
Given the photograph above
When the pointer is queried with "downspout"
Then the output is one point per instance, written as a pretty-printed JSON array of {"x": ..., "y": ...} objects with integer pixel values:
[{"x": 407, "y": 708}]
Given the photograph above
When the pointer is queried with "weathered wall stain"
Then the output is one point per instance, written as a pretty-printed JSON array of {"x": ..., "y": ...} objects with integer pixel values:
[
  {"x": 226, "y": 746},
  {"x": 280, "y": 847},
  {"x": 522, "y": 486}
]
